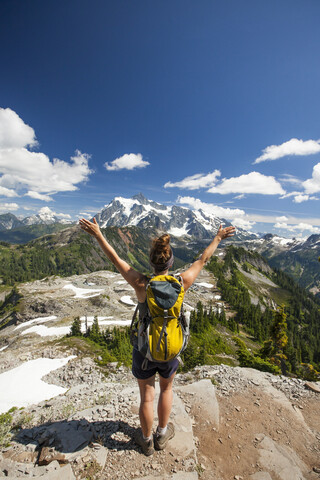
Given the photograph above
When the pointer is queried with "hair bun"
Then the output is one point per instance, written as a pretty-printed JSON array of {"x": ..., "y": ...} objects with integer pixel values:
[
  {"x": 160, "y": 251},
  {"x": 164, "y": 239}
]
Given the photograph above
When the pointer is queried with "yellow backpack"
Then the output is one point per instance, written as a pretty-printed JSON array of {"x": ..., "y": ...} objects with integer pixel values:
[{"x": 163, "y": 332}]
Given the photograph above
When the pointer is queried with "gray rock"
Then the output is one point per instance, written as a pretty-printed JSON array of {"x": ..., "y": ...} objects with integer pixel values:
[
  {"x": 260, "y": 476},
  {"x": 100, "y": 456},
  {"x": 175, "y": 476},
  {"x": 204, "y": 396},
  {"x": 64, "y": 473},
  {"x": 283, "y": 461}
]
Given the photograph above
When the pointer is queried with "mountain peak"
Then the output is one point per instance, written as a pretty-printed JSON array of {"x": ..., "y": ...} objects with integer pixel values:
[
  {"x": 148, "y": 214},
  {"x": 141, "y": 198},
  {"x": 8, "y": 221}
]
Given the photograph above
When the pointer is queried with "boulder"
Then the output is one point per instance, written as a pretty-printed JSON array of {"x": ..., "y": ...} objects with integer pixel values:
[{"x": 48, "y": 455}]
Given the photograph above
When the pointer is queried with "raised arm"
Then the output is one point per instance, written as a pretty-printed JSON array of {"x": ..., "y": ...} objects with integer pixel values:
[
  {"x": 191, "y": 274},
  {"x": 134, "y": 278}
]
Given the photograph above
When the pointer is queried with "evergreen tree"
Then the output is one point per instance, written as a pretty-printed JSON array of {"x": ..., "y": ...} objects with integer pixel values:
[
  {"x": 95, "y": 330},
  {"x": 76, "y": 328},
  {"x": 274, "y": 348}
]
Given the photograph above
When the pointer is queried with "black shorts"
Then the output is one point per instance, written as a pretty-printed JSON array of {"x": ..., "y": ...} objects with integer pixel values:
[{"x": 165, "y": 369}]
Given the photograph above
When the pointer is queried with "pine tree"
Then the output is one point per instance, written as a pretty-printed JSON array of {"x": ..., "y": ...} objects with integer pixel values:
[
  {"x": 76, "y": 328},
  {"x": 95, "y": 329},
  {"x": 274, "y": 347}
]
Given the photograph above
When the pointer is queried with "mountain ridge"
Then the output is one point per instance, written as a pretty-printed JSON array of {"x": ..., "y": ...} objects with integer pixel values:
[{"x": 190, "y": 230}]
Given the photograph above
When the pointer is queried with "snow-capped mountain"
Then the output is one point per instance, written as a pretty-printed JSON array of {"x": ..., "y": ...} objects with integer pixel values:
[
  {"x": 275, "y": 243},
  {"x": 176, "y": 220},
  {"x": 8, "y": 221},
  {"x": 45, "y": 217}
]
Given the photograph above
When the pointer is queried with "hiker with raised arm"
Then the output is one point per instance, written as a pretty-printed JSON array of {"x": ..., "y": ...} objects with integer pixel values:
[{"x": 157, "y": 340}]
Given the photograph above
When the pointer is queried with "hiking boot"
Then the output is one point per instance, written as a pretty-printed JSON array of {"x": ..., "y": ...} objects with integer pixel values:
[
  {"x": 160, "y": 441},
  {"x": 146, "y": 445}
]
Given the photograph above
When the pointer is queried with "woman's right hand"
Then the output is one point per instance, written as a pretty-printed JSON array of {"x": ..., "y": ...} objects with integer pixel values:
[{"x": 90, "y": 227}]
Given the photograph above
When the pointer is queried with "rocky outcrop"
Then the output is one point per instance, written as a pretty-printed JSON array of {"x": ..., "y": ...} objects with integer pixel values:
[{"x": 230, "y": 423}]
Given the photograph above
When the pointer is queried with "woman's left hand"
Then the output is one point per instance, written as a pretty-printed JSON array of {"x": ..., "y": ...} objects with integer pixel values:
[
  {"x": 225, "y": 232},
  {"x": 90, "y": 227}
]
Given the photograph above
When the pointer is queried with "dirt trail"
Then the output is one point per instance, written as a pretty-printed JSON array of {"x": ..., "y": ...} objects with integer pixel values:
[{"x": 245, "y": 419}]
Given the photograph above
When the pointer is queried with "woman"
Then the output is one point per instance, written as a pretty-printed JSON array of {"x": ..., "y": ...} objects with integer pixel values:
[{"x": 161, "y": 259}]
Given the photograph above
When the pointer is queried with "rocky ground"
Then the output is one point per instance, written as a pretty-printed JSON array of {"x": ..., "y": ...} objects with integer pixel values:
[{"x": 231, "y": 422}]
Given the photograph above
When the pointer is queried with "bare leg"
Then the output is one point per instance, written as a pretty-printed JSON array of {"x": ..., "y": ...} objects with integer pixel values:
[
  {"x": 146, "y": 405},
  {"x": 165, "y": 400}
]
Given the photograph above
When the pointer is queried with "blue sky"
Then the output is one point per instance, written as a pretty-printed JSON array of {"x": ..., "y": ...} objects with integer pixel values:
[{"x": 110, "y": 98}]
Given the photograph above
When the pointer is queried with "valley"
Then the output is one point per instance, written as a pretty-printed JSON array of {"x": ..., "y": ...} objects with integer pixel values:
[{"x": 68, "y": 406}]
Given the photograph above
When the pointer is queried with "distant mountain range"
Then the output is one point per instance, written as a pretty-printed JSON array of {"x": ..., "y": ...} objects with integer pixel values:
[
  {"x": 8, "y": 221},
  {"x": 297, "y": 257},
  {"x": 178, "y": 221},
  {"x": 15, "y": 230},
  {"x": 191, "y": 231}
]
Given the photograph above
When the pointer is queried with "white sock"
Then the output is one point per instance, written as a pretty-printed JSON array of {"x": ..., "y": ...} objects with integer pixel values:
[
  {"x": 162, "y": 431},
  {"x": 147, "y": 438}
]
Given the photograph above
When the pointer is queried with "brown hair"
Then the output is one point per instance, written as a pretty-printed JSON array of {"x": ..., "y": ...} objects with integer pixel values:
[{"x": 160, "y": 252}]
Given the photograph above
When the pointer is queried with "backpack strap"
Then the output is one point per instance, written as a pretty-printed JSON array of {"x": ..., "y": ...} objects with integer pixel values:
[{"x": 166, "y": 317}]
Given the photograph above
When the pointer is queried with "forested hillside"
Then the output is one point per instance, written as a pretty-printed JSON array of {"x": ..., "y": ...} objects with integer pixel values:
[
  {"x": 72, "y": 252},
  {"x": 242, "y": 278},
  {"x": 26, "y": 233}
]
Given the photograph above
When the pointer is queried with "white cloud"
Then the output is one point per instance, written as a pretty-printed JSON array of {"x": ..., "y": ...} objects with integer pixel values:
[
  {"x": 14, "y": 133},
  {"x": 48, "y": 211},
  {"x": 199, "y": 180},
  {"x": 84, "y": 214},
  {"x": 312, "y": 185},
  {"x": 129, "y": 161},
  {"x": 7, "y": 192},
  {"x": 253, "y": 182},
  {"x": 290, "y": 194},
  {"x": 287, "y": 178},
  {"x": 300, "y": 198},
  {"x": 291, "y": 147},
  {"x": 234, "y": 215},
  {"x": 300, "y": 227},
  {"x": 241, "y": 222},
  {"x": 197, "y": 204},
  {"x": 63, "y": 215},
  {"x": 8, "y": 207},
  {"x": 21, "y": 168},
  {"x": 244, "y": 220},
  {"x": 240, "y": 197},
  {"x": 39, "y": 196}
]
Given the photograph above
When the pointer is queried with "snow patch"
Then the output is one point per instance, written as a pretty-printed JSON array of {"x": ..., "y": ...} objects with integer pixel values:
[
  {"x": 127, "y": 300},
  {"x": 188, "y": 306},
  {"x": 103, "y": 321},
  {"x": 179, "y": 232},
  {"x": 22, "y": 386},
  {"x": 3, "y": 348},
  {"x": 44, "y": 331},
  {"x": 36, "y": 320},
  {"x": 204, "y": 284},
  {"x": 127, "y": 204},
  {"x": 83, "y": 292},
  {"x": 281, "y": 240}
]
